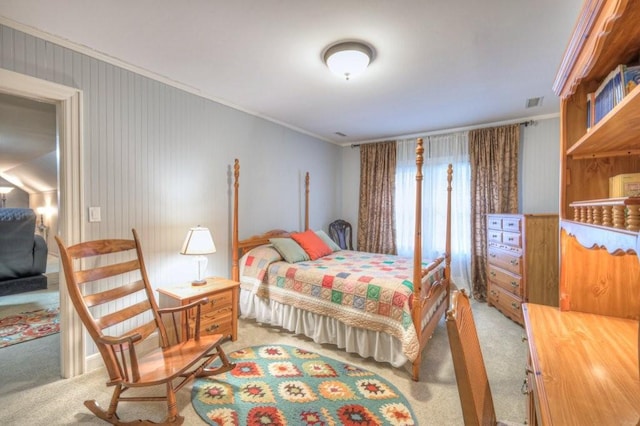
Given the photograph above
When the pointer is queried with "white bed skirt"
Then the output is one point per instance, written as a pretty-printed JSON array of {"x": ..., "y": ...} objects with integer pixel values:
[{"x": 322, "y": 329}]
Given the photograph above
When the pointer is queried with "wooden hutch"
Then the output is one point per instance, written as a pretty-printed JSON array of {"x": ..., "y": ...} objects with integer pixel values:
[
  {"x": 600, "y": 272},
  {"x": 588, "y": 348}
]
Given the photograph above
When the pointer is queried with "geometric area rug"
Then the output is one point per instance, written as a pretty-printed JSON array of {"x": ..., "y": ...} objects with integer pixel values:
[
  {"x": 283, "y": 385},
  {"x": 29, "y": 325}
]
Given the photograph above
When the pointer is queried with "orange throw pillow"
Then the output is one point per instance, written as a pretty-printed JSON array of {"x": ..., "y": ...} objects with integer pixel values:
[{"x": 312, "y": 244}]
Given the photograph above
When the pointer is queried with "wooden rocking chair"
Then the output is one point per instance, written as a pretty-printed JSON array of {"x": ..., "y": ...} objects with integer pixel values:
[{"x": 116, "y": 304}]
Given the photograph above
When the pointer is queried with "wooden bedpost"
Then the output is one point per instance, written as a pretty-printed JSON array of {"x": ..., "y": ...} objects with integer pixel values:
[
  {"x": 235, "y": 271},
  {"x": 447, "y": 269},
  {"x": 306, "y": 202},
  {"x": 417, "y": 257}
]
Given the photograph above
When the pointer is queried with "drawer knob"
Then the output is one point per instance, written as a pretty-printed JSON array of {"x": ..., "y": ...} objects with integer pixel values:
[
  {"x": 514, "y": 305},
  {"x": 514, "y": 262},
  {"x": 212, "y": 327},
  {"x": 492, "y": 255},
  {"x": 514, "y": 284},
  {"x": 493, "y": 274}
]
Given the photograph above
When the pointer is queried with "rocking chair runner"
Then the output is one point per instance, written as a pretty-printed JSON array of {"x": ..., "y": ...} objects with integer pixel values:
[{"x": 106, "y": 310}]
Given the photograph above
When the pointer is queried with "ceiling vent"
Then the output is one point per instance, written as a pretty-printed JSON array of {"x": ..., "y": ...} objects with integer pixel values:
[{"x": 534, "y": 102}]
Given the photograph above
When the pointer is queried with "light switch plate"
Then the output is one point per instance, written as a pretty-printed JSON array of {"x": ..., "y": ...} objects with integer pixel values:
[{"x": 94, "y": 214}]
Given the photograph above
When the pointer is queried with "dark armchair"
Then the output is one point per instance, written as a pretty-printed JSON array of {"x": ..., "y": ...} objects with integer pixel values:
[
  {"x": 23, "y": 254},
  {"x": 340, "y": 232}
]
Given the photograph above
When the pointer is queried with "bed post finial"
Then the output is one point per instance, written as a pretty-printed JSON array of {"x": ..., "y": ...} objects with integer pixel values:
[{"x": 235, "y": 270}]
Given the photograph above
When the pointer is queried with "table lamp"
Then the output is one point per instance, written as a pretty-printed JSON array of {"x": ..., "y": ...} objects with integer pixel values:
[
  {"x": 4, "y": 190},
  {"x": 198, "y": 243}
]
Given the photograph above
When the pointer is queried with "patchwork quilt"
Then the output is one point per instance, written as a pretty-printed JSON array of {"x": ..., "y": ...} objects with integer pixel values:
[{"x": 366, "y": 290}]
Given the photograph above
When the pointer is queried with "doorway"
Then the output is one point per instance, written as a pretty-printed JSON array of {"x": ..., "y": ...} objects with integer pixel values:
[{"x": 68, "y": 102}]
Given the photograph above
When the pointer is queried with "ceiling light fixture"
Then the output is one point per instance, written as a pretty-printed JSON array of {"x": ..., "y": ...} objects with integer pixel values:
[{"x": 348, "y": 58}]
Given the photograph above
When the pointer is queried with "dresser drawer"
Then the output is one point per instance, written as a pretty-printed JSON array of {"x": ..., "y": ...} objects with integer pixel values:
[
  {"x": 494, "y": 223},
  {"x": 506, "y": 303},
  {"x": 512, "y": 239},
  {"x": 510, "y": 262},
  {"x": 509, "y": 282},
  {"x": 511, "y": 224},
  {"x": 494, "y": 236}
]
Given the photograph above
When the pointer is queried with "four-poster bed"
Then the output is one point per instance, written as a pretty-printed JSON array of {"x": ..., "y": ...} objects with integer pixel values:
[{"x": 382, "y": 306}]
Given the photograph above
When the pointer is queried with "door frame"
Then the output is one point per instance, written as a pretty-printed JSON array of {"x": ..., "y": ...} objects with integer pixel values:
[{"x": 68, "y": 102}]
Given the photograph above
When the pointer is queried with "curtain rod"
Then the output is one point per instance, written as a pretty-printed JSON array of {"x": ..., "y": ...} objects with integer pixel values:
[{"x": 523, "y": 123}]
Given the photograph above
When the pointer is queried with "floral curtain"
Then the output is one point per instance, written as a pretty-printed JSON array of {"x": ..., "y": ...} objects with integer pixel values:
[
  {"x": 494, "y": 189},
  {"x": 376, "y": 219}
]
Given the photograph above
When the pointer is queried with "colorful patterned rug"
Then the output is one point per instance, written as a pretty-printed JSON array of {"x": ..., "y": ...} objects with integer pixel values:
[
  {"x": 282, "y": 385},
  {"x": 28, "y": 326}
]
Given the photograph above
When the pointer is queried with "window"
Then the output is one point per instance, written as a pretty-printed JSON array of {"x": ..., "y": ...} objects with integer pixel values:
[{"x": 440, "y": 151}]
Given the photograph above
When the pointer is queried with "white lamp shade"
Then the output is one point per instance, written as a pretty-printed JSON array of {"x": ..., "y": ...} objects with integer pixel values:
[
  {"x": 348, "y": 59},
  {"x": 198, "y": 242}
]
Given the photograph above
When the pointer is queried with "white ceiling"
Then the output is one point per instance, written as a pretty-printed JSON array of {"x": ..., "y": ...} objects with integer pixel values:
[
  {"x": 439, "y": 65},
  {"x": 28, "y": 144}
]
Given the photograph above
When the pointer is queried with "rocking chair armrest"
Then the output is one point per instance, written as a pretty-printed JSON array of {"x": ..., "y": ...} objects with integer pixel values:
[
  {"x": 182, "y": 320},
  {"x": 120, "y": 340}
]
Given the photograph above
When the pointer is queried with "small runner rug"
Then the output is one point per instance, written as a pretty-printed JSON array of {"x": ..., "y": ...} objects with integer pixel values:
[
  {"x": 28, "y": 326},
  {"x": 282, "y": 385}
]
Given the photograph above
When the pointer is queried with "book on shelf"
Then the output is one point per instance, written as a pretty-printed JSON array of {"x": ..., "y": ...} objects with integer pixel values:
[
  {"x": 631, "y": 78},
  {"x": 604, "y": 96},
  {"x": 618, "y": 83},
  {"x": 624, "y": 185},
  {"x": 591, "y": 109}
]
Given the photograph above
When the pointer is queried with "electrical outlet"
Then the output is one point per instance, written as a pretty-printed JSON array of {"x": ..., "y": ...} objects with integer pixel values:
[{"x": 94, "y": 214}]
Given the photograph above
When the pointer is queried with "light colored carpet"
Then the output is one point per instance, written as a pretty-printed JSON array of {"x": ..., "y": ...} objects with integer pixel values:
[
  {"x": 14, "y": 304},
  {"x": 36, "y": 400},
  {"x": 33, "y": 300}
]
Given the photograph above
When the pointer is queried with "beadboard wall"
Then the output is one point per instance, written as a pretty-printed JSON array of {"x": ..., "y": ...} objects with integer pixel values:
[{"x": 159, "y": 159}]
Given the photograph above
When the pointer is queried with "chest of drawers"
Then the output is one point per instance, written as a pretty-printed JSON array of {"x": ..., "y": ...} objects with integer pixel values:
[{"x": 522, "y": 261}]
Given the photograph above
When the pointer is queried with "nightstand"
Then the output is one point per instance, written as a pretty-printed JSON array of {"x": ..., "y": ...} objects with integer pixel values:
[{"x": 218, "y": 316}]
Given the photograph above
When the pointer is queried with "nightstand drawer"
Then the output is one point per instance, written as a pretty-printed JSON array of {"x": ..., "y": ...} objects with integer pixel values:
[
  {"x": 216, "y": 302},
  {"x": 218, "y": 324}
]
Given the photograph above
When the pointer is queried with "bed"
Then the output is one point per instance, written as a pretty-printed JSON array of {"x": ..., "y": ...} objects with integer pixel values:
[{"x": 376, "y": 305}]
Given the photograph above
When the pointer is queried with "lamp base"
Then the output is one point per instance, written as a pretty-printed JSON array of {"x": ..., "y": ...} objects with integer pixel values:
[{"x": 198, "y": 282}]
